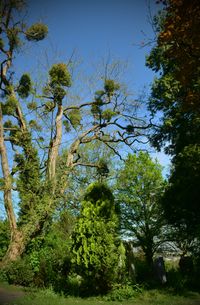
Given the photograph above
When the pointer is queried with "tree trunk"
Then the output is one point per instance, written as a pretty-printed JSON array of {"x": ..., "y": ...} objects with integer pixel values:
[
  {"x": 15, "y": 249},
  {"x": 54, "y": 147},
  {"x": 7, "y": 181},
  {"x": 16, "y": 244},
  {"x": 149, "y": 258}
]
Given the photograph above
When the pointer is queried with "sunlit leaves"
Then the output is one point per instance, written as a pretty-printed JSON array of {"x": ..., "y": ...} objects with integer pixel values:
[
  {"x": 75, "y": 117},
  {"x": 36, "y": 32},
  {"x": 49, "y": 105},
  {"x": 110, "y": 86},
  {"x": 10, "y": 106},
  {"x": 140, "y": 187},
  {"x": 59, "y": 75},
  {"x": 108, "y": 114},
  {"x": 94, "y": 238}
]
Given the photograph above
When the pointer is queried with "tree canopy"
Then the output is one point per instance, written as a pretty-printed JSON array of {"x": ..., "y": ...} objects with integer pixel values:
[
  {"x": 175, "y": 97},
  {"x": 140, "y": 187}
]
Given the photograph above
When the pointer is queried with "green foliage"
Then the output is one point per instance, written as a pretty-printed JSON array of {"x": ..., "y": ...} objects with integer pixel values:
[
  {"x": 121, "y": 292},
  {"x": 19, "y": 273},
  {"x": 99, "y": 94},
  {"x": 183, "y": 211},
  {"x": 75, "y": 117},
  {"x": 176, "y": 281},
  {"x": 59, "y": 75},
  {"x": 94, "y": 245},
  {"x": 73, "y": 284},
  {"x": 13, "y": 37},
  {"x": 4, "y": 237},
  {"x": 108, "y": 114},
  {"x": 66, "y": 125},
  {"x": 49, "y": 105},
  {"x": 46, "y": 261},
  {"x": 34, "y": 125},
  {"x": 58, "y": 94},
  {"x": 143, "y": 271},
  {"x": 29, "y": 181},
  {"x": 10, "y": 106},
  {"x": 16, "y": 135},
  {"x": 175, "y": 93},
  {"x": 103, "y": 169},
  {"x": 140, "y": 186},
  {"x": 9, "y": 89},
  {"x": 110, "y": 86},
  {"x": 148, "y": 297},
  {"x": 96, "y": 108},
  {"x": 36, "y": 32},
  {"x": 101, "y": 199},
  {"x": 25, "y": 86},
  {"x": 8, "y": 124},
  {"x": 32, "y": 105}
]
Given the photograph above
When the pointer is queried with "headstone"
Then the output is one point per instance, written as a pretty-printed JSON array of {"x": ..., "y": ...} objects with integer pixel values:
[{"x": 159, "y": 267}]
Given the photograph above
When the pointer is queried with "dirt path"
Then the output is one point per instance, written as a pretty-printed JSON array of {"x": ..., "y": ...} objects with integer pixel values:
[{"x": 7, "y": 295}]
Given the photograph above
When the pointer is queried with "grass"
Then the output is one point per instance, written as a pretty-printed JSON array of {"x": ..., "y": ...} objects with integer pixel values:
[{"x": 153, "y": 297}]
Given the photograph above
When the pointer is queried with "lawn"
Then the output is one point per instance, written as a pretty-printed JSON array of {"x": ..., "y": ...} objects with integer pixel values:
[{"x": 154, "y": 297}]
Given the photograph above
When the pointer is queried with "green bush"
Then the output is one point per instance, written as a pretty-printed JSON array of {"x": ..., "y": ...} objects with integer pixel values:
[
  {"x": 19, "y": 273},
  {"x": 3, "y": 276},
  {"x": 176, "y": 281},
  {"x": 73, "y": 284},
  {"x": 123, "y": 292}
]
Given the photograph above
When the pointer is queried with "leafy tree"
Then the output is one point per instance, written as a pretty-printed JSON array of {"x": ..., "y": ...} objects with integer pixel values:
[
  {"x": 46, "y": 260},
  {"x": 175, "y": 92},
  {"x": 34, "y": 140},
  {"x": 179, "y": 37},
  {"x": 175, "y": 97},
  {"x": 181, "y": 200},
  {"x": 139, "y": 189},
  {"x": 95, "y": 241}
]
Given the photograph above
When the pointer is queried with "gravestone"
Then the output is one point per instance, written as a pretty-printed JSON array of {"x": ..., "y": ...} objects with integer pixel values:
[{"x": 159, "y": 267}]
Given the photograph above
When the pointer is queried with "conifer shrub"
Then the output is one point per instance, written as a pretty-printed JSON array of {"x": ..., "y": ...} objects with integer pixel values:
[{"x": 95, "y": 241}]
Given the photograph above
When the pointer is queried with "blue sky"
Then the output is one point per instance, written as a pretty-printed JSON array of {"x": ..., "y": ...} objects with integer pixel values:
[{"x": 94, "y": 29}]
